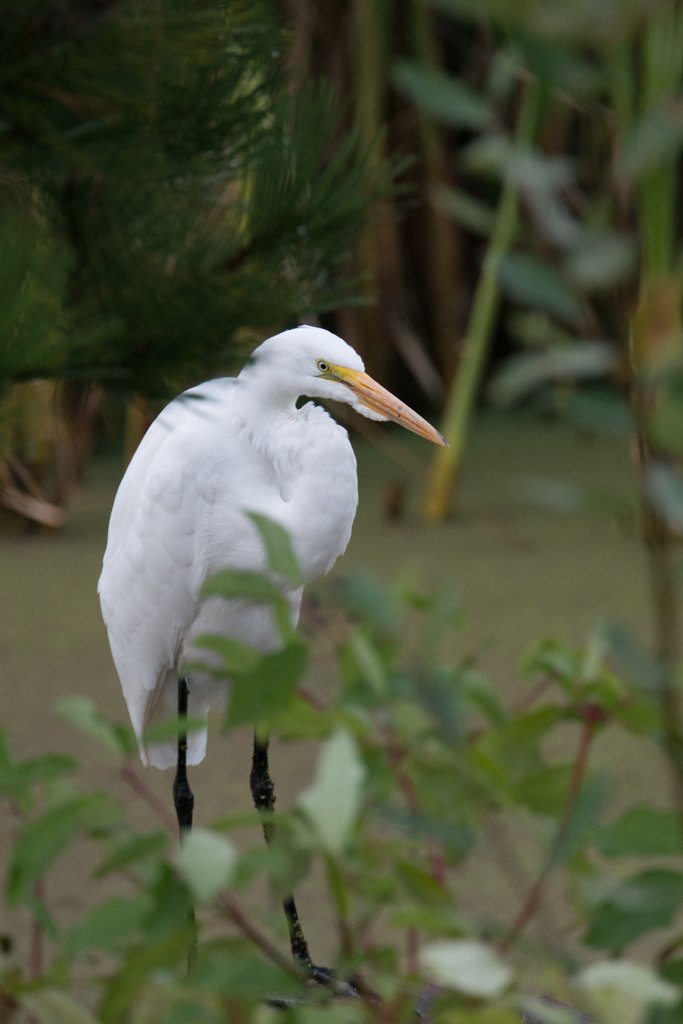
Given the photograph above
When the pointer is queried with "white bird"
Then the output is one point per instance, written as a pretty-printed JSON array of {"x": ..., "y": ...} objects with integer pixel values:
[{"x": 220, "y": 451}]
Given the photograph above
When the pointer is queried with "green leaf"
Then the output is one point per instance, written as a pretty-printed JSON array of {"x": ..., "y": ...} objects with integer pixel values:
[
  {"x": 526, "y": 280},
  {"x": 632, "y": 659},
  {"x": 599, "y": 410},
  {"x": 369, "y": 602},
  {"x": 172, "y": 728},
  {"x": 445, "y": 98},
  {"x": 170, "y": 904},
  {"x": 655, "y": 139},
  {"x": 524, "y": 373},
  {"x": 562, "y": 497},
  {"x": 508, "y": 753},
  {"x": 544, "y": 791},
  {"x": 40, "y": 842},
  {"x": 471, "y": 213},
  {"x": 53, "y": 1006},
  {"x": 621, "y": 990},
  {"x": 207, "y": 862},
  {"x": 141, "y": 962},
  {"x": 664, "y": 488},
  {"x": 361, "y": 655},
  {"x": 586, "y": 812},
  {"x": 332, "y": 803},
  {"x": 557, "y": 65},
  {"x": 456, "y": 838},
  {"x": 420, "y": 885},
  {"x": 107, "y": 926},
  {"x": 236, "y": 656},
  {"x": 665, "y": 419},
  {"x": 251, "y": 586},
  {"x": 133, "y": 850},
  {"x": 262, "y": 693},
  {"x": 554, "y": 659},
  {"x": 635, "y": 906},
  {"x": 82, "y": 712},
  {"x": 242, "y": 584},
  {"x": 642, "y": 831},
  {"x": 467, "y": 965},
  {"x": 279, "y": 550},
  {"x": 541, "y": 1010},
  {"x": 17, "y": 778},
  {"x": 478, "y": 690},
  {"x": 227, "y": 969},
  {"x": 600, "y": 261}
]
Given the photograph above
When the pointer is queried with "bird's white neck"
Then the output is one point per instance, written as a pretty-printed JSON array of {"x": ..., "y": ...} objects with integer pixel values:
[{"x": 311, "y": 456}]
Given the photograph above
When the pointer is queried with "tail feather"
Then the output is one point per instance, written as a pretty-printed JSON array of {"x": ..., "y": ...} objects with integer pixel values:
[
  {"x": 203, "y": 695},
  {"x": 165, "y": 753}
]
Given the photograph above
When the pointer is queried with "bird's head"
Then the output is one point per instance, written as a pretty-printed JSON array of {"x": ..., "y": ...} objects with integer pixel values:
[{"x": 314, "y": 362}]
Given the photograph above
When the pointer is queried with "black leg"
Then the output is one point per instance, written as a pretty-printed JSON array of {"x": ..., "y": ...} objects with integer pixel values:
[
  {"x": 263, "y": 795},
  {"x": 183, "y": 797},
  {"x": 182, "y": 794}
]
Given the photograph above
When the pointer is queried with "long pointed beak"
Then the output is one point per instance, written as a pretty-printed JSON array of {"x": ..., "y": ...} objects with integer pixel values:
[{"x": 380, "y": 401}]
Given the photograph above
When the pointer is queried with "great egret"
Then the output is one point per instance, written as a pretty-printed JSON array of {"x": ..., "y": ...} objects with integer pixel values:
[{"x": 222, "y": 450}]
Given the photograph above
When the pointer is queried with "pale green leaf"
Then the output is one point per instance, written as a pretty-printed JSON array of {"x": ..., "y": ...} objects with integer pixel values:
[
  {"x": 523, "y": 374},
  {"x": 279, "y": 550},
  {"x": 235, "y": 656},
  {"x": 601, "y": 261},
  {"x": 106, "y": 926},
  {"x": 642, "y": 831},
  {"x": 635, "y": 906},
  {"x": 238, "y": 583},
  {"x": 664, "y": 488},
  {"x": 367, "y": 661},
  {"x": 470, "y": 966},
  {"x": 665, "y": 418},
  {"x": 655, "y": 139},
  {"x": 445, "y": 98},
  {"x": 268, "y": 688},
  {"x": 465, "y": 209},
  {"x": 206, "y": 861},
  {"x": 44, "y": 839},
  {"x": 50, "y": 1006},
  {"x": 333, "y": 801},
  {"x": 82, "y": 713},
  {"x": 525, "y": 279},
  {"x": 635, "y": 982}
]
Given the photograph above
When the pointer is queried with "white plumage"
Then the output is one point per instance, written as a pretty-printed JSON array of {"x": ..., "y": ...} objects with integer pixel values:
[{"x": 216, "y": 453}]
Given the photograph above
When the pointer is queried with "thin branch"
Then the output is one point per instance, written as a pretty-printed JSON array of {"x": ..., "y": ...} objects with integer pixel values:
[
  {"x": 592, "y": 716},
  {"x": 37, "y": 940},
  {"x": 140, "y": 788},
  {"x": 229, "y": 906}
]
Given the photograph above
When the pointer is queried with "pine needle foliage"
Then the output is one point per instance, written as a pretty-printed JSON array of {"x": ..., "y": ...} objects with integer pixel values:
[{"x": 189, "y": 192}]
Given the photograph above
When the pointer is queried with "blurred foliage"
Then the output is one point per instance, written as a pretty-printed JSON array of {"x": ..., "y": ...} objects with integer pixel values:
[
  {"x": 565, "y": 118},
  {"x": 422, "y": 769},
  {"x": 585, "y": 280},
  {"x": 163, "y": 189}
]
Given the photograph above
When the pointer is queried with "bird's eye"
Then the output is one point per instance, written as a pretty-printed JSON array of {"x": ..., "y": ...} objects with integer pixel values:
[{"x": 323, "y": 366}]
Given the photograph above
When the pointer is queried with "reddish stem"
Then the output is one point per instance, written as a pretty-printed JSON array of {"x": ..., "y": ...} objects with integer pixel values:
[
  {"x": 591, "y": 717},
  {"x": 140, "y": 788},
  {"x": 37, "y": 947}
]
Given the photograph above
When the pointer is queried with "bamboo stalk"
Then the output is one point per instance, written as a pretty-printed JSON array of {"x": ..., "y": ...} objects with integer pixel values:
[
  {"x": 442, "y": 235},
  {"x": 475, "y": 347},
  {"x": 656, "y": 351}
]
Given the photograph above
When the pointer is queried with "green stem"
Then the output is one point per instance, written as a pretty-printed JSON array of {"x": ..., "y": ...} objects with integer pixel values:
[{"x": 446, "y": 461}]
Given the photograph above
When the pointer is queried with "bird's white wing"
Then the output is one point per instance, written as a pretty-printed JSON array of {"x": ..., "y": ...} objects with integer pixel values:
[{"x": 177, "y": 517}]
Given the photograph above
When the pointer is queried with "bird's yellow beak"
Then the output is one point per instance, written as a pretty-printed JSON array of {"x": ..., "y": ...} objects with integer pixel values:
[{"x": 379, "y": 400}]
